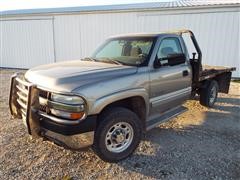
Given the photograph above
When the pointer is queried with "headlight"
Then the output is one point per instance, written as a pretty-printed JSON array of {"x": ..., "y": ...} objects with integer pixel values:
[
  {"x": 73, "y": 100},
  {"x": 67, "y": 115},
  {"x": 67, "y": 106}
]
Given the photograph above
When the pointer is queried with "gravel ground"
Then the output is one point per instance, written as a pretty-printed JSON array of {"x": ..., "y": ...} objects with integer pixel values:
[{"x": 202, "y": 143}]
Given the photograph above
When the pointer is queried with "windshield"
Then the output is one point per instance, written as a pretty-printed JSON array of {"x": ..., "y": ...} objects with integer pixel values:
[{"x": 126, "y": 51}]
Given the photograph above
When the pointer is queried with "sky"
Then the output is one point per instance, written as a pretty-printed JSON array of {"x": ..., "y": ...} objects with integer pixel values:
[{"x": 33, "y": 4}]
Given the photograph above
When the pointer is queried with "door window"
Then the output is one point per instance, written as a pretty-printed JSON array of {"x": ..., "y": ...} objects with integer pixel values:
[{"x": 168, "y": 47}]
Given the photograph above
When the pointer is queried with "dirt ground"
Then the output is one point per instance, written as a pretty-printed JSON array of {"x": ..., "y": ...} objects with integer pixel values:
[{"x": 202, "y": 143}]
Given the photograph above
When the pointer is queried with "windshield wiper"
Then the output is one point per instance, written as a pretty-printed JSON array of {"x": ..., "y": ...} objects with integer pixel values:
[
  {"x": 107, "y": 60},
  {"x": 89, "y": 59}
]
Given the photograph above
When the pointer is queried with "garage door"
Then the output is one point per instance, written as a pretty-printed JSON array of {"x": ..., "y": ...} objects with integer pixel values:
[{"x": 26, "y": 43}]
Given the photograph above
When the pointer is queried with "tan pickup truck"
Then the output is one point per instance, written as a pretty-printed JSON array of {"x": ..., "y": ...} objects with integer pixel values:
[{"x": 131, "y": 84}]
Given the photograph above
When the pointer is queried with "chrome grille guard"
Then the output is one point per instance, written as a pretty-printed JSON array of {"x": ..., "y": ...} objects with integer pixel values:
[{"x": 24, "y": 103}]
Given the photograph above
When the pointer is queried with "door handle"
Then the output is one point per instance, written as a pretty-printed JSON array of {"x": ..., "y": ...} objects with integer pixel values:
[{"x": 185, "y": 73}]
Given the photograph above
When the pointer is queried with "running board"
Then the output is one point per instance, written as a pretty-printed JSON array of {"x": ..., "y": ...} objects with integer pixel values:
[{"x": 165, "y": 117}]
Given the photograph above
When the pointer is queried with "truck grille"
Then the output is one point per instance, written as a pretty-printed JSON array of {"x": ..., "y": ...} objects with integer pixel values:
[
  {"x": 43, "y": 97},
  {"x": 43, "y": 108},
  {"x": 43, "y": 94}
]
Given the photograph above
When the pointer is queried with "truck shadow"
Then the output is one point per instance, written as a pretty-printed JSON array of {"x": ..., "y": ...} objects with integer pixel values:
[
  {"x": 233, "y": 101},
  {"x": 196, "y": 150}
]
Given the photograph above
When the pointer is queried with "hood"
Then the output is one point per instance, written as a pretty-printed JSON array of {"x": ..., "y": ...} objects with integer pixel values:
[{"x": 69, "y": 75}]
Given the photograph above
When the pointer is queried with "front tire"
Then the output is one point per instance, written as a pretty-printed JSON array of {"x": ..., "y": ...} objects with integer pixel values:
[
  {"x": 117, "y": 135},
  {"x": 208, "y": 94}
]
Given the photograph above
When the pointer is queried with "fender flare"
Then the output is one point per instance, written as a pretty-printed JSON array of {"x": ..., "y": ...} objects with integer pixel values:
[{"x": 102, "y": 102}]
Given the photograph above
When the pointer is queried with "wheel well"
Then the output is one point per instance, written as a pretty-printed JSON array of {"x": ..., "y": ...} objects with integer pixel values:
[{"x": 135, "y": 104}]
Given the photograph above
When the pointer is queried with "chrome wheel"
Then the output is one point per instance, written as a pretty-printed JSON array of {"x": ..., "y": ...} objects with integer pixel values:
[
  {"x": 119, "y": 137},
  {"x": 213, "y": 94}
]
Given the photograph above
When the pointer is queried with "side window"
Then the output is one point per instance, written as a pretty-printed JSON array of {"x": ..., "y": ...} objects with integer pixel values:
[{"x": 169, "y": 46}]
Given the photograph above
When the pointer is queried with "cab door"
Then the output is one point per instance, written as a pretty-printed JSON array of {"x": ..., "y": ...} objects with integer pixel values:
[{"x": 170, "y": 81}]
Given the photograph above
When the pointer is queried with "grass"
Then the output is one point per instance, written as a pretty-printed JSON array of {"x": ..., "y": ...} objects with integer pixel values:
[{"x": 236, "y": 80}]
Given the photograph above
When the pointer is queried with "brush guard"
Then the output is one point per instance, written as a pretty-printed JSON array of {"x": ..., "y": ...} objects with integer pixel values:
[{"x": 24, "y": 103}]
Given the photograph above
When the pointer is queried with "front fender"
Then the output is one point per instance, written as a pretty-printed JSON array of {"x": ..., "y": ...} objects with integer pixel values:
[{"x": 102, "y": 102}]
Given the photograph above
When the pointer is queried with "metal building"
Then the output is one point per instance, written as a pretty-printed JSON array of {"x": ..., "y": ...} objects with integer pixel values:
[{"x": 34, "y": 37}]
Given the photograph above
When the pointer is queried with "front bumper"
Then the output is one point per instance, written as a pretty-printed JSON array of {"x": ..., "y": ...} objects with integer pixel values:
[
  {"x": 24, "y": 104},
  {"x": 86, "y": 125}
]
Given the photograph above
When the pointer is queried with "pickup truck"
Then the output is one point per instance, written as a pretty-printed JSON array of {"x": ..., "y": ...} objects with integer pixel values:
[{"x": 131, "y": 84}]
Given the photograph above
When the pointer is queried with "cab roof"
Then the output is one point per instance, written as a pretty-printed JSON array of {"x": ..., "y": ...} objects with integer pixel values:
[{"x": 153, "y": 34}]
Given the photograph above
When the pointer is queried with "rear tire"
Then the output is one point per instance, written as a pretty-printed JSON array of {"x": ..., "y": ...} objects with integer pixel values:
[
  {"x": 117, "y": 135},
  {"x": 208, "y": 94}
]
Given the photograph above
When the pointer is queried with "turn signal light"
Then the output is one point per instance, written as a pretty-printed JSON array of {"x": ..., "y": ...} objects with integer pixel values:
[
  {"x": 76, "y": 115},
  {"x": 67, "y": 115}
]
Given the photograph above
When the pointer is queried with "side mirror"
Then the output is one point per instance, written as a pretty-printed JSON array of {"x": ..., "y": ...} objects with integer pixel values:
[
  {"x": 175, "y": 59},
  {"x": 170, "y": 60},
  {"x": 157, "y": 63}
]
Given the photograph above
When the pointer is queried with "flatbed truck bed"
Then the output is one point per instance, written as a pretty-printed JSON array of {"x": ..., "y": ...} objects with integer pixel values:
[
  {"x": 213, "y": 71},
  {"x": 208, "y": 73}
]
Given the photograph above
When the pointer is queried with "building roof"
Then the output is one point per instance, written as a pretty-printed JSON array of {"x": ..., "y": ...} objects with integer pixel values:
[{"x": 153, "y": 5}]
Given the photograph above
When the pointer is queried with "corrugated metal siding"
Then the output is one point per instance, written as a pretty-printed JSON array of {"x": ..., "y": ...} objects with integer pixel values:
[
  {"x": 217, "y": 34},
  {"x": 78, "y": 36},
  {"x": 26, "y": 43}
]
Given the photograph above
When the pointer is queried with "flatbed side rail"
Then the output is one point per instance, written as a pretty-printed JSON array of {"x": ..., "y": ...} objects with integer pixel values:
[{"x": 211, "y": 73}]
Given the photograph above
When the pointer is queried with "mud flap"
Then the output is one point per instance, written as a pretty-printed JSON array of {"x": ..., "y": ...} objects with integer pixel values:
[{"x": 224, "y": 80}]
